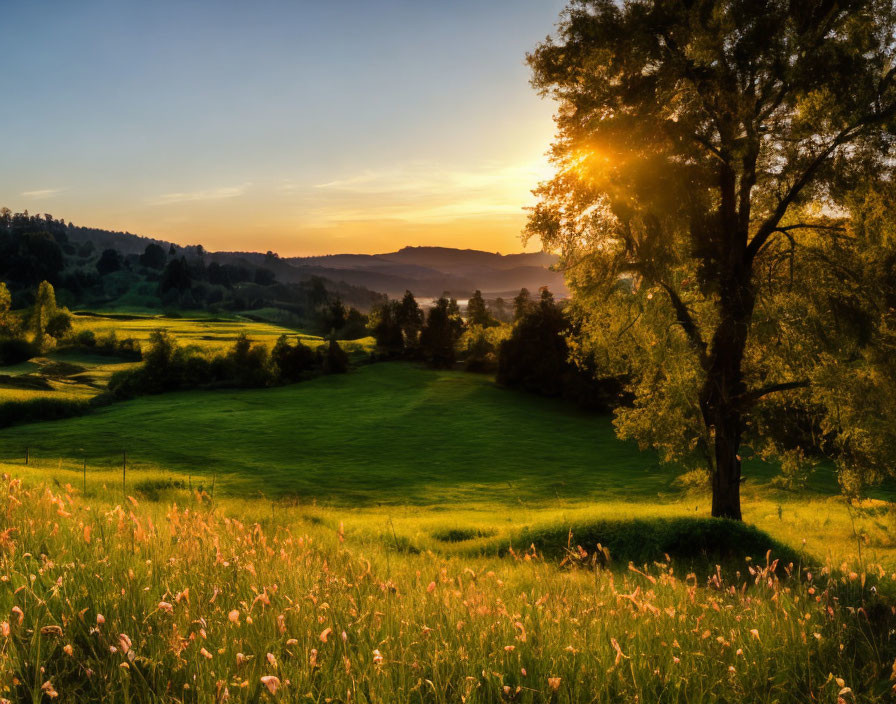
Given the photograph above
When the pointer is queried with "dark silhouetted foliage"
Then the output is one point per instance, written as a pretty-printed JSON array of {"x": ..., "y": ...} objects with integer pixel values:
[
  {"x": 110, "y": 261},
  {"x": 153, "y": 257},
  {"x": 536, "y": 358},
  {"x": 438, "y": 339}
]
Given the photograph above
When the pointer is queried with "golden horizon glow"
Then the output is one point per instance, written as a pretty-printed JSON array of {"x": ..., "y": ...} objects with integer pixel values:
[{"x": 371, "y": 211}]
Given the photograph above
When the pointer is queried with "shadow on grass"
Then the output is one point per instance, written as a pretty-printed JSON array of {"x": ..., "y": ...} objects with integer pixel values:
[{"x": 693, "y": 544}]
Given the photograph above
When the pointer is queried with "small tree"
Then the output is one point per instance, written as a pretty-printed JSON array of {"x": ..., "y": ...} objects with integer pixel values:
[
  {"x": 522, "y": 304},
  {"x": 290, "y": 362},
  {"x": 110, "y": 261},
  {"x": 536, "y": 356},
  {"x": 500, "y": 310},
  {"x": 410, "y": 320},
  {"x": 438, "y": 339},
  {"x": 385, "y": 327},
  {"x": 43, "y": 311},
  {"x": 8, "y": 323},
  {"x": 153, "y": 257},
  {"x": 477, "y": 312},
  {"x": 59, "y": 324}
]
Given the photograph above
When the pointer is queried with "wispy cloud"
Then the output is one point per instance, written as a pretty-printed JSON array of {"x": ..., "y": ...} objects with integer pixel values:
[
  {"x": 221, "y": 193},
  {"x": 427, "y": 192},
  {"x": 426, "y": 178},
  {"x": 42, "y": 193}
]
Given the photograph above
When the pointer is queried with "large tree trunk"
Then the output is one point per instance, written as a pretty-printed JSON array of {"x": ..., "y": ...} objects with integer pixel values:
[
  {"x": 722, "y": 396},
  {"x": 726, "y": 477}
]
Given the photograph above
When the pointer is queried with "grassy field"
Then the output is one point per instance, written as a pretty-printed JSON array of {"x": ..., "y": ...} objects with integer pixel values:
[
  {"x": 77, "y": 375},
  {"x": 397, "y": 534},
  {"x": 424, "y": 460}
]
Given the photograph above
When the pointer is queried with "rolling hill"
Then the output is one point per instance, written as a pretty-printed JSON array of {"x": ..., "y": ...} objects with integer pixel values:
[{"x": 429, "y": 271}]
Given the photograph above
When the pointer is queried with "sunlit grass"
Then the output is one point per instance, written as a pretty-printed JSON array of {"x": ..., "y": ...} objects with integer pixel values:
[
  {"x": 105, "y": 598},
  {"x": 824, "y": 528}
]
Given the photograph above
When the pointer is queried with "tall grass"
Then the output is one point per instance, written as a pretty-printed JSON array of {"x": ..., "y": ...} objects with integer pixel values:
[{"x": 134, "y": 602}]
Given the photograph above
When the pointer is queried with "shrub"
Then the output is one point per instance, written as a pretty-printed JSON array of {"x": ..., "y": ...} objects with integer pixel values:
[
  {"x": 169, "y": 367},
  {"x": 85, "y": 338},
  {"x": 290, "y": 362},
  {"x": 59, "y": 324}
]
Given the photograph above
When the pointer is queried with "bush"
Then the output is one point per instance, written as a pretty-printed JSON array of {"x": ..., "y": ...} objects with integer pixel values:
[
  {"x": 85, "y": 338},
  {"x": 59, "y": 324},
  {"x": 290, "y": 362},
  {"x": 479, "y": 347}
]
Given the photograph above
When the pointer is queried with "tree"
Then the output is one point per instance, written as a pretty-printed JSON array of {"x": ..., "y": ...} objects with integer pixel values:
[
  {"x": 536, "y": 356},
  {"x": 440, "y": 334},
  {"x": 333, "y": 316},
  {"x": 706, "y": 153},
  {"x": 7, "y": 323},
  {"x": 477, "y": 312},
  {"x": 410, "y": 319},
  {"x": 175, "y": 277},
  {"x": 500, "y": 310},
  {"x": 522, "y": 304},
  {"x": 109, "y": 262},
  {"x": 385, "y": 327},
  {"x": 153, "y": 257},
  {"x": 43, "y": 311}
]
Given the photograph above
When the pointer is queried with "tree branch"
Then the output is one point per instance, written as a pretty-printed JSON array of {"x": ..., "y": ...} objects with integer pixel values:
[
  {"x": 844, "y": 136},
  {"x": 753, "y": 396},
  {"x": 809, "y": 226},
  {"x": 688, "y": 324}
]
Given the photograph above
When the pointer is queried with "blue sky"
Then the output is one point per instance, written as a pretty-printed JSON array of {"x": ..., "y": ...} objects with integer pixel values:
[{"x": 294, "y": 126}]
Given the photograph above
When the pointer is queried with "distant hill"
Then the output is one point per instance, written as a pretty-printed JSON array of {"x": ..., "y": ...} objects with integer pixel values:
[
  {"x": 426, "y": 271},
  {"x": 429, "y": 271}
]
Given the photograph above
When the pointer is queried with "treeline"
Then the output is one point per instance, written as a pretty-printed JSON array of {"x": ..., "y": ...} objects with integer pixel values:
[
  {"x": 36, "y": 248},
  {"x": 525, "y": 343},
  {"x": 167, "y": 366}
]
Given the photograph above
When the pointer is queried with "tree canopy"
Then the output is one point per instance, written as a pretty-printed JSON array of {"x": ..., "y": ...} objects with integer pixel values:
[{"x": 718, "y": 200}]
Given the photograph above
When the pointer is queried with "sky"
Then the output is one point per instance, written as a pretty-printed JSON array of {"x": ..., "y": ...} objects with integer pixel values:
[{"x": 285, "y": 125}]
